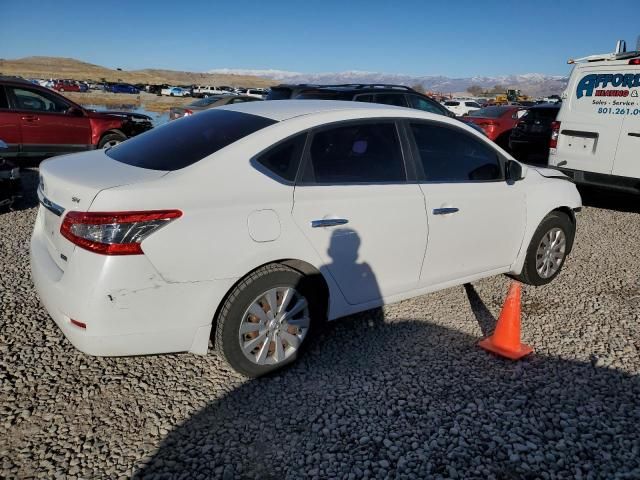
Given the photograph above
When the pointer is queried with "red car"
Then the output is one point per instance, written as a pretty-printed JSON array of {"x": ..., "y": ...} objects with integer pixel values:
[
  {"x": 35, "y": 121},
  {"x": 66, "y": 86},
  {"x": 497, "y": 121}
]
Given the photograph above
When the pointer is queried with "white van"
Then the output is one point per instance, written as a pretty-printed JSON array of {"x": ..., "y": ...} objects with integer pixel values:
[{"x": 596, "y": 136}]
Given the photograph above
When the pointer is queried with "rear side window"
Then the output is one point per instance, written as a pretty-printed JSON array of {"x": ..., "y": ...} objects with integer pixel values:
[
  {"x": 391, "y": 99},
  {"x": 182, "y": 143},
  {"x": 356, "y": 153},
  {"x": 452, "y": 104},
  {"x": 451, "y": 155},
  {"x": 284, "y": 159}
]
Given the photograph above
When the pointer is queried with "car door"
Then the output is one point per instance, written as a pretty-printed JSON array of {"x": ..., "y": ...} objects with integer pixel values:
[
  {"x": 354, "y": 204},
  {"x": 627, "y": 162},
  {"x": 476, "y": 219},
  {"x": 47, "y": 124},
  {"x": 9, "y": 124}
]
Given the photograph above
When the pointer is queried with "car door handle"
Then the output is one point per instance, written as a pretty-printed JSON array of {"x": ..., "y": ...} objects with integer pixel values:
[
  {"x": 634, "y": 134},
  {"x": 328, "y": 222},
  {"x": 29, "y": 118},
  {"x": 444, "y": 210}
]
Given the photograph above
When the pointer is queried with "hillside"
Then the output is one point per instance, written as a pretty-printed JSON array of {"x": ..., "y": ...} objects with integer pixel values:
[{"x": 57, "y": 67}]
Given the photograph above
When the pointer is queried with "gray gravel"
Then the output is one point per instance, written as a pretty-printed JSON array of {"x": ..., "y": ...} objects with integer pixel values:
[{"x": 399, "y": 393}]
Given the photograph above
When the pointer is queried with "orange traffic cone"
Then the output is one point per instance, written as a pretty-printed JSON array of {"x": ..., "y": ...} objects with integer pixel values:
[{"x": 505, "y": 340}]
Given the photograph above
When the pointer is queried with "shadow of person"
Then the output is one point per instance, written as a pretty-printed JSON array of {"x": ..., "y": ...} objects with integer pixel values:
[
  {"x": 411, "y": 399},
  {"x": 356, "y": 281}
]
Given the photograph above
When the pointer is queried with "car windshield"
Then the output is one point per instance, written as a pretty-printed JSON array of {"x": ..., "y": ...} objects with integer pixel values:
[
  {"x": 490, "y": 112},
  {"x": 205, "y": 102},
  {"x": 179, "y": 144}
]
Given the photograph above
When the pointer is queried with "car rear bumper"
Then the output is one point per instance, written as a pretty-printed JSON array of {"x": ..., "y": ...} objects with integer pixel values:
[{"x": 127, "y": 307}]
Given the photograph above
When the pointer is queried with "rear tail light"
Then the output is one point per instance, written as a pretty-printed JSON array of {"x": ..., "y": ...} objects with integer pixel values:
[
  {"x": 634, "y": 61},
  {"x": 114, "y": 233},
  {"x": 187, "y": 112},
  {"x": 555, "y": 133}
]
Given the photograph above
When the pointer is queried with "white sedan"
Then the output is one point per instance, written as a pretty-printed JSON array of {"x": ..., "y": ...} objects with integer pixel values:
[
  {"x": 254, "y": 223},
  {"x": 175, "y": 92},
  {"x": 461, "y": 107}
]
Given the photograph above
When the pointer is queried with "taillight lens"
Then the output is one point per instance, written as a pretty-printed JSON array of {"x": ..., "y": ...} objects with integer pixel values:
[
  {"x": 634, "y": 61},
  {"x": 187, "y": 112},
  {"x": 114, "y": 233},
  {"x": 555, "y": 133}
]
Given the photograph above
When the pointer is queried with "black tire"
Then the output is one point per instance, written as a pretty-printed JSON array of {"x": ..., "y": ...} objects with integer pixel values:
[
  {"x": 227, "y": 325},
  {"x": 111, "y": 137},
  {"x": 555, "y": 219}
]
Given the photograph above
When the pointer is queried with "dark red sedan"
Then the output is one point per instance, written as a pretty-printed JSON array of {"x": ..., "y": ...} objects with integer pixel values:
[{"x": 497, "y": 121}]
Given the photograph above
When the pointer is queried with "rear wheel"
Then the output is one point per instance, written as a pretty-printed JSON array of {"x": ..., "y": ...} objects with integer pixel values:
[
  {"x": 111, "y": 140},
  {"x": 266, "y": 320},
  {"x": 548, "y": 249}
]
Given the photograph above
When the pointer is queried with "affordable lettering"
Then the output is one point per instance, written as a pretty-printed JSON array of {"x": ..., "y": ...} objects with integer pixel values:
[{"x": 597, "y": 82}]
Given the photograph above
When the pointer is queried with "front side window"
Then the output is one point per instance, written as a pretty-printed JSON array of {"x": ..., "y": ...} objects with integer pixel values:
[
  {"x": 396, "y": 99},
  {"x": 177, "y": 145},
  {"x": 27, "y": 99},
  {"x": 448, "y": 154},
  {"x": 420, "y": 103},
  {"x": 356, "y": 153},
  {"x": 452, "y": 104},
  {"x": 284, "y": 159}
]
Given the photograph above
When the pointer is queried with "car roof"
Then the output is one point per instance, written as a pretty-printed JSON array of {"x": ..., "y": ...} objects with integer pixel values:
[{"x": 280, "y": 110}]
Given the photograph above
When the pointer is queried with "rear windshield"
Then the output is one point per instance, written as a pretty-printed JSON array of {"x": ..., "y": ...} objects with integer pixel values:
[
  {"x": 452, "y": 104},
  {"x": 184, "y": 142},
  {"x": 548, "y": 114},
  {"x": 490, "y": 112}
]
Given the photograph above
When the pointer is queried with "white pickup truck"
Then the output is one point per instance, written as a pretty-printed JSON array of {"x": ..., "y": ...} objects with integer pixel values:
[{"x": 207, "y": 91}]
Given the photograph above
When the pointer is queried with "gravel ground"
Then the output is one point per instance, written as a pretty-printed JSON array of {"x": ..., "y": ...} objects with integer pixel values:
[{"x": 396, "y": 393}]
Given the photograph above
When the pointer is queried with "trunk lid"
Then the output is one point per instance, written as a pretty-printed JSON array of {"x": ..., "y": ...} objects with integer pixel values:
[{"x": 72, "y": 183}]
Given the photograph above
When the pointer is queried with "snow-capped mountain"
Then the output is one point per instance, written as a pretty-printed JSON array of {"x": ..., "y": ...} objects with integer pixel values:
[{"x": 530, "y": 83}]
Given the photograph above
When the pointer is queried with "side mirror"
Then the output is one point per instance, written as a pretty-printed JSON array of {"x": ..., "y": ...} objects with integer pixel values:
[
  {"x": 513, "y": 171},
  {"x": 3, "y": 146},
  {"x": 75, "y": 112}
]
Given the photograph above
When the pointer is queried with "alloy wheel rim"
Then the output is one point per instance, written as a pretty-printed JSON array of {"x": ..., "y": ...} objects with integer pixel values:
[
  {"x": 111, "y": 143},
  {"x": 274, "y": 326},
  {"x": 551, "y": 252}
]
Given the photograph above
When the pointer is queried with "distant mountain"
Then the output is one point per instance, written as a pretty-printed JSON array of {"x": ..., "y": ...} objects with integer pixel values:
[{"x": 534, "y": 84}]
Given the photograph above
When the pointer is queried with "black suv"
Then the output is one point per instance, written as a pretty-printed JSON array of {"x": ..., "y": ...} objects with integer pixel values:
[
  {"x": 532, "y": 133},
  {"x": 398, "y": 95}
]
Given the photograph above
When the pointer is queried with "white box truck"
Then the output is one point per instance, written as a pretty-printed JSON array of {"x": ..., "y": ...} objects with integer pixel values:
[{"x": 596, "y": 136}]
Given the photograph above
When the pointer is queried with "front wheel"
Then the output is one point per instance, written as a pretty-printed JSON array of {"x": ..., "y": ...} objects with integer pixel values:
[
  {"x": 548, "y": 250},
  {"x": 266, "y": 320}
]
